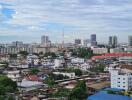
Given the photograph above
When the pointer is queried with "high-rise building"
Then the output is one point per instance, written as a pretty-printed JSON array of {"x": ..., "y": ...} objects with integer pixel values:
[
  {"x": 17, "y": 43},
  {"x": 113, "y": 41},
  {"x": 77, "y": 41},
  {"x": 86, "y": 42},
  {"x": 130, "y": 40},
  {"x": 93, "y": 40},
  {"x": 44, "y": 40}
]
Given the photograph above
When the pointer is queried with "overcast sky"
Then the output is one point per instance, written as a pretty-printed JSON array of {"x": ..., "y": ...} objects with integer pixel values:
[{"x": 28, "y": 20}]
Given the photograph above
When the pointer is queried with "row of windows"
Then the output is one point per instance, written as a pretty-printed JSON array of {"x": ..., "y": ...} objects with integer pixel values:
[
  {"x": 120, "y": 78},
  {"x": 120, "y": 86},
  {"x": 123, "y": 82}
]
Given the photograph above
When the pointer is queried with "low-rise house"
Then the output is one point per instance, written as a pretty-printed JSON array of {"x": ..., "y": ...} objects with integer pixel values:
[
  {"x": 85, "y": 66},
  {"x": 33, "y": 60},
  {"x": 27, "y": 85},
  {"x": 14, "y": 75},
  {"x": 58, "y": 63},
  {"x": 33, "y": 78},
  {"x": 77, "y": 61},
  {"x": 70, "y": 75}
]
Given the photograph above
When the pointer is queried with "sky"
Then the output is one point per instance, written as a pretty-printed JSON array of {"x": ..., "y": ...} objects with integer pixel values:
[{"x": 28, "y": 20}]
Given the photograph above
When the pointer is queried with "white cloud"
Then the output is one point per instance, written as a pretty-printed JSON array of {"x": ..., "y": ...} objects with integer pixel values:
[{"x": 98, "y": 16}]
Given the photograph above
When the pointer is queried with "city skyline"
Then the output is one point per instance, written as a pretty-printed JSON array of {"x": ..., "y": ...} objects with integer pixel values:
[{"x": 27, "y": 20}]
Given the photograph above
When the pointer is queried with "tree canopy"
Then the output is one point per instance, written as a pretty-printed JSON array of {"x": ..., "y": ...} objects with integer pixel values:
[
  {"x": 79, "y": 92},
  {"x": 82, "y": 53},
  {"x": 7, "y": 85},
  {"x": 52, "y": 54},
  {"x": 34, "y": 71},
  {"x": 77, "y": 72}
]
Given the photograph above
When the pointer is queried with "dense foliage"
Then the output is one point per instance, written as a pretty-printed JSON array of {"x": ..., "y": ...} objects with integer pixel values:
[
  {"x": 53, "y": 77},
  {"x": 62, "y": 92},
  {"x": 7, "y": 85},
  {"x": 79, "y": 92},
  {"x": 24, "y": 53},
  {"x": 77, "y": 72},
  {"x": 98, "y": 68},
  {"x": 50, "y": 54},
  {"x": 82, "y": 53},
  {"x": 49, "y": 81},
  {"x": 13, "y": 56},
  {"x": 34, "y": 71}
]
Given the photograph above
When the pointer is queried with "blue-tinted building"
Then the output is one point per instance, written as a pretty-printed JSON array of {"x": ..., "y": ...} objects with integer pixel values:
[
  {"x": 103, "y": 95},
  {"x": 93, "y": 40}
]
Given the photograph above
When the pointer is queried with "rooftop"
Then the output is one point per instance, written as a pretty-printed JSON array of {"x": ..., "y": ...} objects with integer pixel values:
[{"x": 103, "y": 95}]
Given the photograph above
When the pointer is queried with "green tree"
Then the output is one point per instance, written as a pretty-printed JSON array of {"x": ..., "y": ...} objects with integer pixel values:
[
  {"x": 79, "y": 92},
  {"x": 78, "y": 72},
  {"x": 82, "y": 53},
  {"x": 52, "y": 54},
  {"x": 50, "y": 81},
  {"x": 13, "y": 56},
  {"x": 61, "y": 92},
  {"x": 34, "y": 71},
  {"x": 11, "y": 98},
  {"x": 7, "y": 85},
  {"x": 98, "y": 68},
  {"x": 111, "y": 92},
  {"x": 23, "y": 53}
]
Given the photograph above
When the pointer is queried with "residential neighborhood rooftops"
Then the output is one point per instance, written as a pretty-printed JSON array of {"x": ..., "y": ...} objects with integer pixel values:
[{"x": 129, "y": 67}]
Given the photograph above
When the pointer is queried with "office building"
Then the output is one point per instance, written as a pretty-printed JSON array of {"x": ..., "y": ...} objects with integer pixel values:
[
  {"x": 45, "y": 40},
  {"x": 86, "y": 43},
  {"x": 113, "y": 41},
  {"x": 130, "y": 40},
  {"x": 77, "y": 41},
  {"x": 17, "y": 44},
  {"x": 93, "y": 40}
]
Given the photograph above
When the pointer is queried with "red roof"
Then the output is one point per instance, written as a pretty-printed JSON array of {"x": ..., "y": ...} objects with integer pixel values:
[
  {"x": 98, "y": 57},
  {"x": 33, "y": 78},
  {"x": 112, "y": 55}
]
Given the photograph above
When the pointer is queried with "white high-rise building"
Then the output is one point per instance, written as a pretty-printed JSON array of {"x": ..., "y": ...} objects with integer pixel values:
[{"x": 121, "y": 79}]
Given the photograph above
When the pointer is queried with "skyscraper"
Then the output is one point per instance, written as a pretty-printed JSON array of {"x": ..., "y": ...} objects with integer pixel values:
[
  {"x": 77, "y": 41},
  {"x": 130, "y": 40},
  {"x": 44, "y": 40},
  {"x": 93, "y": 40},
  {"x": 113, "y": 41},
  {"x": 86, "y": 43}
]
